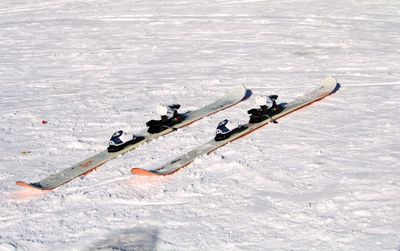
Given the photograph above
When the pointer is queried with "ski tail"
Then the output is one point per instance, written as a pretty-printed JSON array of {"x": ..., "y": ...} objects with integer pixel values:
[
  {"x": 161, "y": 172},
  {"x": 144, "y": 172},
  {"x": 30, "y": 185}
]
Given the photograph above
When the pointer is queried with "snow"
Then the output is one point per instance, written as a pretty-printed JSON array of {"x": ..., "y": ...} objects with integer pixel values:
[{"x": 324, "y": 178}]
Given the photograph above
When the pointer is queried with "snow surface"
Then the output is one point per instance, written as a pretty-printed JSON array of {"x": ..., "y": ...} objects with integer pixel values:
[{"x": 324, "y": 178}]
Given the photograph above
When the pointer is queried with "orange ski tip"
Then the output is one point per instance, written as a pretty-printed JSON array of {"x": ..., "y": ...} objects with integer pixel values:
[
  {"x": 142, "y": 172},
  {"x": 30, "y": 186},
  {"x": 23, "y": 184}
]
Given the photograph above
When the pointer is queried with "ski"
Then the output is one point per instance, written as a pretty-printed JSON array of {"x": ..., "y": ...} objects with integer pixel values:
[
  {"x": 329, "y": 85},
  {"x": 232, "y": 97}
]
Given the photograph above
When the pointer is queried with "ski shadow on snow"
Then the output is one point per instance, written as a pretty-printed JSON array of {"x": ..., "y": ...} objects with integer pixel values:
[
  {"x": 338, "y": 85},
  {"x": 247, "y": 95},
  {"x": 129, "y": 239}
]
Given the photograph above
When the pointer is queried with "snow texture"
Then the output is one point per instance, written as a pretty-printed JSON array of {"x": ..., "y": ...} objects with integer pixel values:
[{"x": 324, "y": 178}]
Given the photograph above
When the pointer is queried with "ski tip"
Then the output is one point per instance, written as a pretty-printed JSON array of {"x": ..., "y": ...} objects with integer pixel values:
[
  {"x": 330, "y": 84},
  {"x": 237, "y": 92},
  {"x": 239, "y": 87},
  {"x": 329, "y": 80},
  {"x": 143, "y": 172},
  {"x": 332, "y": 79},
  {"x": 30, "y": 185},
  {"x": 242, "y": 87}
]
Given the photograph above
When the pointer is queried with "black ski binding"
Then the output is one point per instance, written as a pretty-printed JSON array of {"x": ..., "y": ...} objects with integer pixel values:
[
  {"x": 265, "y": 111},
  {"x": 224, "y": 132},
  {"x": 169, "y": 118}
]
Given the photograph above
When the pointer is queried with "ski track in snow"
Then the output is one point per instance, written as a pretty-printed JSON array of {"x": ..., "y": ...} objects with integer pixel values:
[{"x": 324, "y": 178}]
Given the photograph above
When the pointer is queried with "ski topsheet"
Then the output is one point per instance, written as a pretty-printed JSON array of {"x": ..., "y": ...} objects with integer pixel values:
[
  {"x": 327, "y": 87},
  {"x": 232, "y": 97}
]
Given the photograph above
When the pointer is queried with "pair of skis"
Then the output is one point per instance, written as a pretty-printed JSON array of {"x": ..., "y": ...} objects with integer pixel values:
[
  {"x": 234, "y": 96},
  {"x": 328, "y": 86}
]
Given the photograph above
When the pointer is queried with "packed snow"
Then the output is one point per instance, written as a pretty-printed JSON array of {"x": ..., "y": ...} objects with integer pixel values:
[{"x": 324, "y": 178}]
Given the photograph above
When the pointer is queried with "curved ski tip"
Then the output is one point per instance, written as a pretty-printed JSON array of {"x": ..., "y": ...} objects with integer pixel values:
[
  {"x": 143, "y": 172},
  {"x": 329, "y": 80},
  {"x": 238, "y": 90},
  {"x": 330, "y": 84},
  {"x": 242, "y": 87},
  {"x": 22, "y": 184}
]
